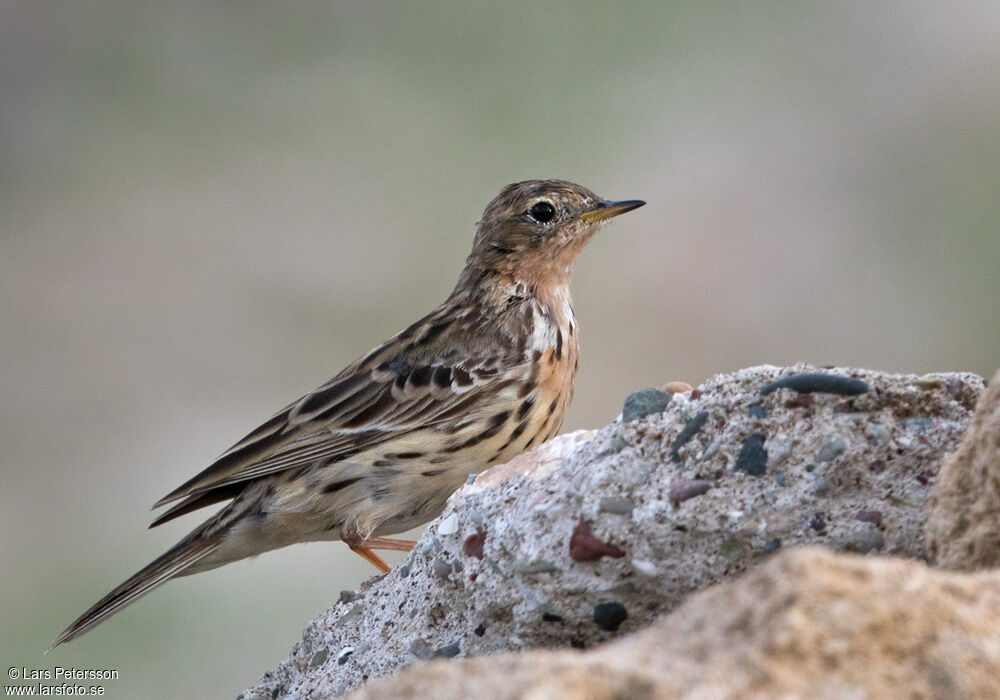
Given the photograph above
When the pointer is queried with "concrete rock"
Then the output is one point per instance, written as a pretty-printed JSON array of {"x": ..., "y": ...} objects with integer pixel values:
[
  {"x": 807, "y": 624},
  {"x": 963, "y": 527},
  {"x": 513, "y": 584}
]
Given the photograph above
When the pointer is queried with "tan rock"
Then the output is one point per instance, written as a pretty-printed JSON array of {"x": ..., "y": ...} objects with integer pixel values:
[
  {"x": 808, "y": 624},
  {"x": 963, "y": 526}
]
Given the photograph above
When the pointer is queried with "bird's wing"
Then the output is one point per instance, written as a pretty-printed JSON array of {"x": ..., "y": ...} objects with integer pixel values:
[{"x": 406, "y": 384}]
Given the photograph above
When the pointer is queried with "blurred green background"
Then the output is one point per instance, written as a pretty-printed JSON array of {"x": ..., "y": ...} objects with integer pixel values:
[{"x": 206, "y": 209}]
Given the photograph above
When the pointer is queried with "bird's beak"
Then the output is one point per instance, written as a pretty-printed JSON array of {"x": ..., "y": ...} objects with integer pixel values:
[{"x": 605, "y": 210}]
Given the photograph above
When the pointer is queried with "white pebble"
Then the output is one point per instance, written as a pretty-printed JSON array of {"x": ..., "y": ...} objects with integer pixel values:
[
  {"x": 449, "y": 526},
  {"x": 646, "y": 568}
]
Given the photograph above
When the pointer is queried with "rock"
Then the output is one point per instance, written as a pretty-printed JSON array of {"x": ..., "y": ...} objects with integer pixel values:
[
  {"x": 689, "y": 430},
  {"x": 584, "y": 546},
  {"x": 807, "y": 624},
  {"x": 643, "y": 403},
  {"x": 963, "y": 527},
  {"x": 831, "y": 450},
  {"x": 752, "y": 459},
  {"x": 448, "y": 526},
  {"x": 677, "y": 387},
  {"x": 610, "y": 616},
  {"x": 618, "y": 506},
  {"x": 685, "y": 489},
  {"x": 474, "y": 544},
  {"x": 529, "y": 508},
  {"x": 821, "y": 382}
]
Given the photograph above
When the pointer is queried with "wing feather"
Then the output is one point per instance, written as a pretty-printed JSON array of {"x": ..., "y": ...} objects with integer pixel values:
[{"x": 410, "y": 387}]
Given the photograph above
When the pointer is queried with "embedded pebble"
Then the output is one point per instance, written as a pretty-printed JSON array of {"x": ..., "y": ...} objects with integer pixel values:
[
  {"x": 610, "y": 616},
  {"x": 689, "y": 430},
  {"x": 646, "y": 568},
  {"x": 870, "y": 516},
  {"x": 473, "y": 546},
  {"x": 344, "y": 655},
  {"x": 617, "y": 506},
  {"x": 712, "y": 449},
  {"x": 448, "y": 526},
  {"x": 535, "y": 566},
  {"x": 877, "y": 432},
  {"x": 441, "y": 568},
  {"x": 772, "y": 546},
  {"x": 685, "y": 489},
  {"x": 818, "y": 382},
  {"x": 867, "y": 540},
  {"x": 929, "y": 381},
  {"x": 617, "y": 444},
  {"x": 447, "y": 651},
  {"x": 677, "y": 387},
  {"x": 347, "y": 596},
  {"x": 421, "y": 649},
  {"x": 831, "y": 450},
  {"x": 319, "y": 658},
  {"x": 584, "y": 546},
  {"x": 643, "y": 403},
  {"x": 917, "y": 425},
  {"x": 351, "y": 614},
  {"x": 404, "y": 570},
  {"x": 757, "y": 411},
  {"x": 477, "y": 517},
  {"x": 780, "y": 479},
  {"x": 753, "y": 457},
  {"x": 471, "y": 479}
]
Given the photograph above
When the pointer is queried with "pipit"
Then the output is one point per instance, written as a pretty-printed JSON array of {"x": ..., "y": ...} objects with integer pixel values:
[{"x": 378, "y": 449}]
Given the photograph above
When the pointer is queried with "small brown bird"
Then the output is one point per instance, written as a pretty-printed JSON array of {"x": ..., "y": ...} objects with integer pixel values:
[{"x": 378, "y": 449}]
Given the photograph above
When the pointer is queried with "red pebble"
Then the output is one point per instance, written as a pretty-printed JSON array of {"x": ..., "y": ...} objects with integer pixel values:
[
  {"x": 474, "y": 545},
  {"x": 583, "y": 546}
]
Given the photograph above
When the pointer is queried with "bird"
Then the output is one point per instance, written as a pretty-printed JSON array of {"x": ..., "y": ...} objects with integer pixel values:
[{"x": 378, "y": 449}]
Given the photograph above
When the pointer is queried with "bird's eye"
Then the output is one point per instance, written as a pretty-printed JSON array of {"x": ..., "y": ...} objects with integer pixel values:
[{"x": 542, "y": 212}]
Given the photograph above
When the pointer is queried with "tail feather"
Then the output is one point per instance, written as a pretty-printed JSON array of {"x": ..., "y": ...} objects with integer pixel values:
[{"x": 173, "y": 562}]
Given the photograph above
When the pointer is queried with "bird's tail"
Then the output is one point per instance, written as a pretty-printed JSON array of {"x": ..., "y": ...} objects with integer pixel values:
[{"x": 198, "y": 544}]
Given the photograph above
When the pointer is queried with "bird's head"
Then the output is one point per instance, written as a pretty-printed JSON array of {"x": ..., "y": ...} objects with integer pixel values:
[{"x": 533, "y": 230}]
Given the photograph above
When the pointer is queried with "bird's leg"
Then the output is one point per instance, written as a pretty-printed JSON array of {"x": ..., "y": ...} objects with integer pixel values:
[
  {"x": 371, "y": 557},
  {"x": 387, "y": 543},
  {"x": 365, "y": 547}
]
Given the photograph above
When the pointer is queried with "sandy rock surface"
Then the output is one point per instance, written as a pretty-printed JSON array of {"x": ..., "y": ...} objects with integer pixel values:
[
  {"x": 596, "y": 535},
  {"x": 963, "y": 527},
  {"x": 807, "y": 624}
]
